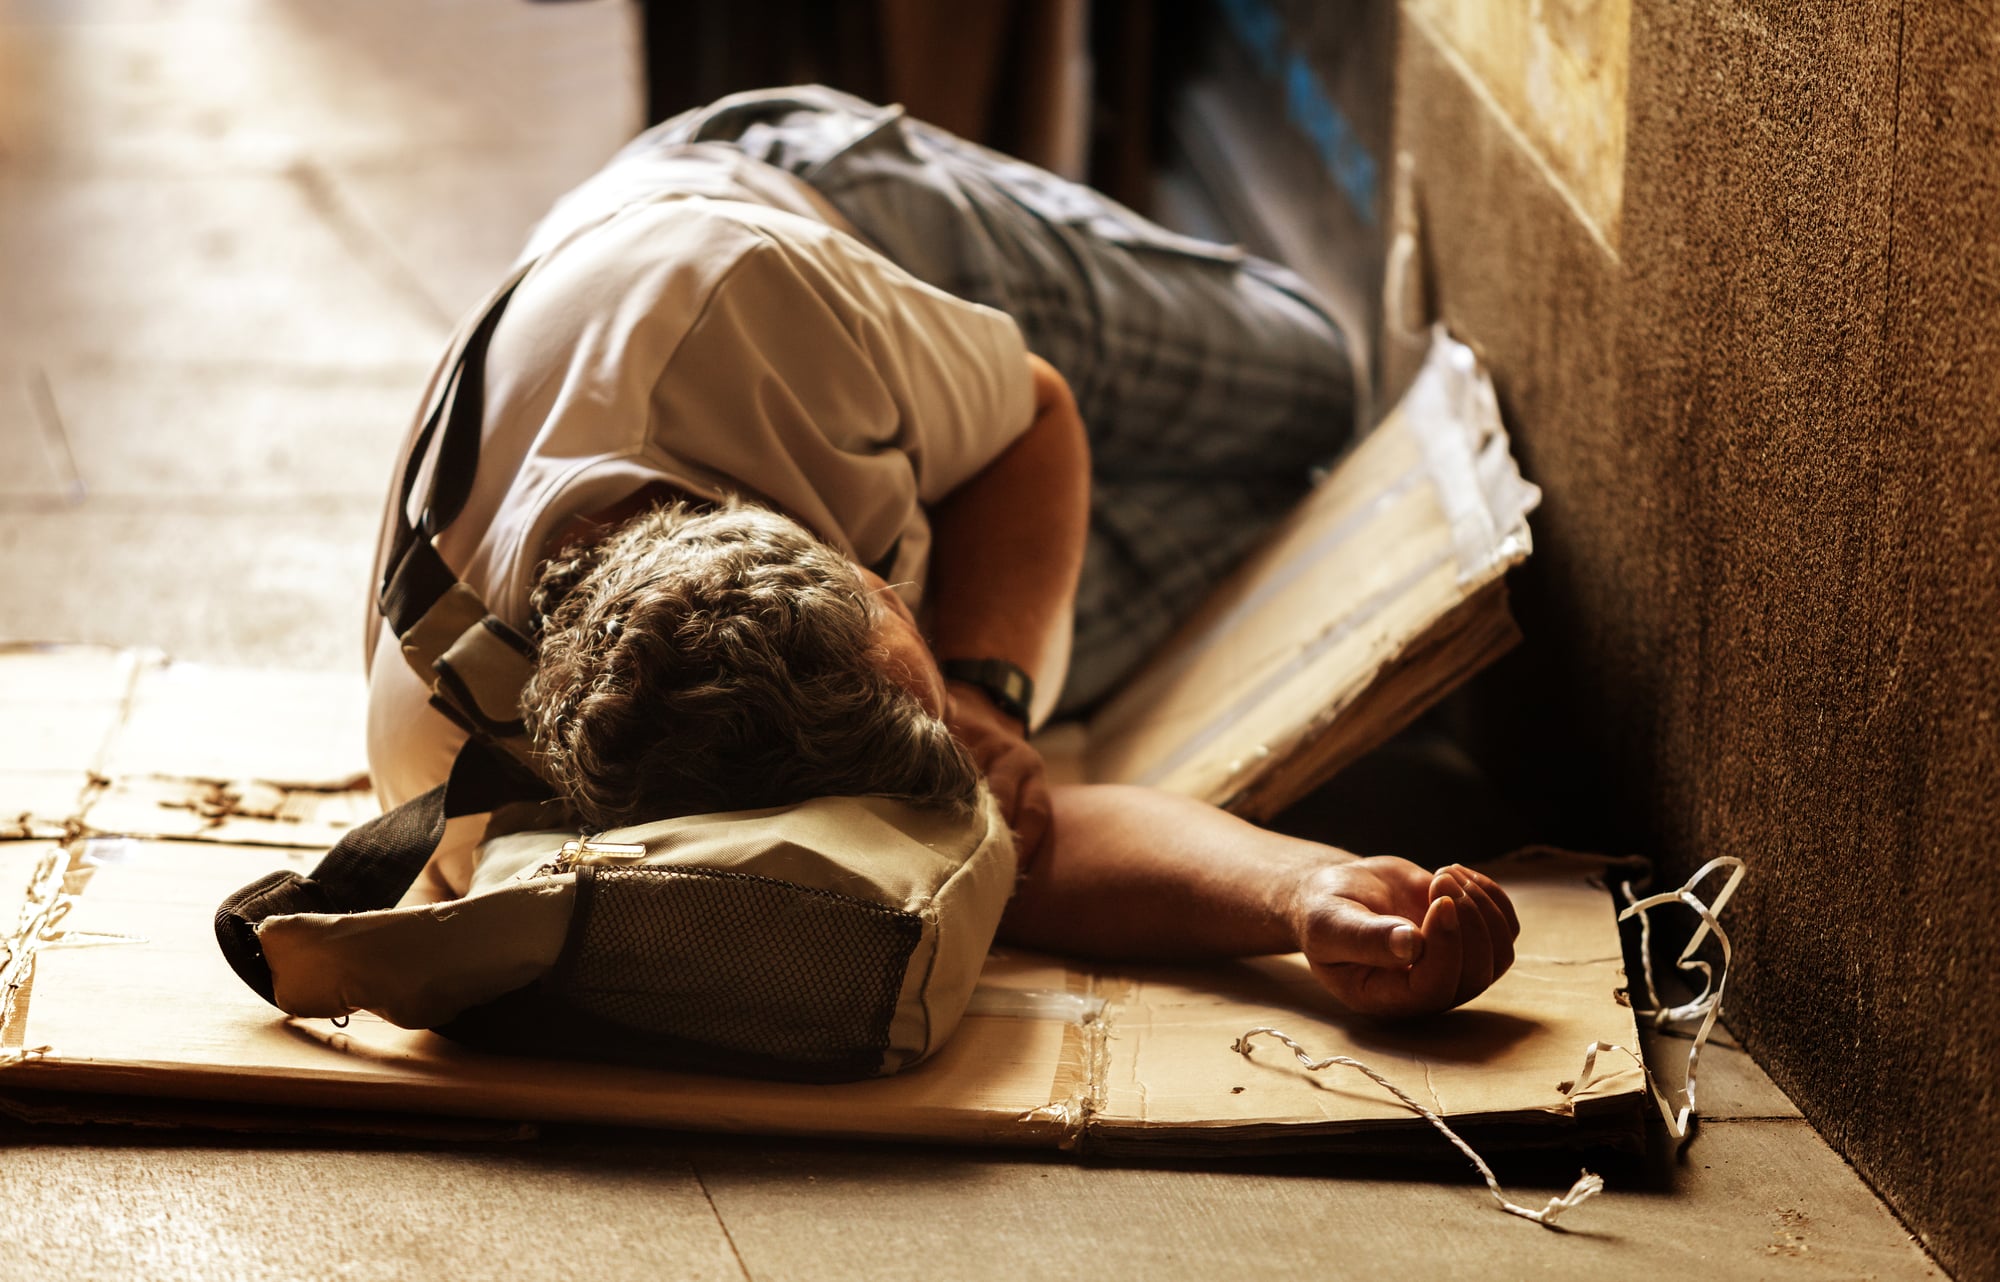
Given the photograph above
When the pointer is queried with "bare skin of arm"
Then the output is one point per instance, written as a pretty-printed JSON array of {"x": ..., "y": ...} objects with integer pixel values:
[
  {"x": 1125, "y": 872},
  {"x": 1007, "y": 546},
  {"x": 1006, "y": 553},
  {"x": 1138, "y": 873}
]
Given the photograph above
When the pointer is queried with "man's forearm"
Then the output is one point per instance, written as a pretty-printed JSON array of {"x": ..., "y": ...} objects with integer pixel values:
[
  {"x": 1007, "y": 546},
  {"x": 1134, "y": 873},
  {"x": 1140, "y": 873}
]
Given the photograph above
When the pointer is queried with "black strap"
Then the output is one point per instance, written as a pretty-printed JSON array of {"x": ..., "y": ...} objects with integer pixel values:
[
  {"x": 416, "y": 579},
  {"x": 414, "y": 576},
  {"x": 373, "y": 865},
  {"x": 1011, "y": 689}
]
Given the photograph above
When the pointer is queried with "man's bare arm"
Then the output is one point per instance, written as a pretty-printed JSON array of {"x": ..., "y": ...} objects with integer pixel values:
[
  {"x": 1137, "y": 873},
  {"x": 1007, "y": 550},
  {"x": 1007, "y": 546}
]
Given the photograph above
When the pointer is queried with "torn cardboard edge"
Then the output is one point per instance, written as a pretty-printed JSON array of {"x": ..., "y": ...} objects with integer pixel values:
[{"x": 99, "y": 746}]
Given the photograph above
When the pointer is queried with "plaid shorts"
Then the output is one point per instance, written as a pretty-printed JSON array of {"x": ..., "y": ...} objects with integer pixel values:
[{"x": 1211, "y": 382}]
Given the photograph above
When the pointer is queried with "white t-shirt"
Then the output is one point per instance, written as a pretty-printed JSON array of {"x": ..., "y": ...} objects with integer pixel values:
[{"x": 701, "y": 319}]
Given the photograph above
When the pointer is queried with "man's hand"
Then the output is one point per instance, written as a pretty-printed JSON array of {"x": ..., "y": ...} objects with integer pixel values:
[
  {"x": 1013, "y": 770},
  {"x": 1388, "y": 938}
]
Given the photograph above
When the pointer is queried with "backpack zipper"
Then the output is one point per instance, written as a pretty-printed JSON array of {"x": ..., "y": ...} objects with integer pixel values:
[{"x": 576, "y": 852}]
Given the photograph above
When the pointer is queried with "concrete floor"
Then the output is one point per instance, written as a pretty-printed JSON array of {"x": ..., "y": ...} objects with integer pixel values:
[{"x": 233, "y": 237}]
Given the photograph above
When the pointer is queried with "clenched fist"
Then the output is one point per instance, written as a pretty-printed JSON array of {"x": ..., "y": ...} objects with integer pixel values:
[{"x": 1387, "y": 938}]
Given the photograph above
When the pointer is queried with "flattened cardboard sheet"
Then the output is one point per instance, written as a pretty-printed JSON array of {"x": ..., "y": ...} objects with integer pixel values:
[
  {"x": 1505, "y": 1064},
  {"x": 132, "y": 997},
  {"x": 62, "y": 705}
]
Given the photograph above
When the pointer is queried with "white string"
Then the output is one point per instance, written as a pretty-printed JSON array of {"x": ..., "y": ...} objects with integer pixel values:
[
  {"x": 1586, "y": 1187},
  {"x": 1707, "y": 1004}
]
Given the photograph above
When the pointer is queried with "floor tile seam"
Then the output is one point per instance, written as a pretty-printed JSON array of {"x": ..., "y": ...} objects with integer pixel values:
[
  {"x": 58, "y": 448},
  {"x": 320, "y": 186},
  {"x": 700, "y": 1182}
]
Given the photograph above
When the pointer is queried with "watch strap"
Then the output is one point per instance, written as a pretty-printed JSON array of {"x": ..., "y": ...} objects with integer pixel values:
[{"x": 1011, "y": 689}]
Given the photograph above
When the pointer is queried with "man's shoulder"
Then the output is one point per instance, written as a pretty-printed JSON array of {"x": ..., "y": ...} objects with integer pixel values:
[
  {"x": 661, "y": 174},
  {"x": 673, "y": 227},
  {"x": 689, "y": 238},
  {"x": 643, "y": 258}
]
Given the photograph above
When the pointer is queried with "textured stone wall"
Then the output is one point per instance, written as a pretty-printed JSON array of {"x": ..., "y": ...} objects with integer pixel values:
[{"x": 1764, "y": 618}]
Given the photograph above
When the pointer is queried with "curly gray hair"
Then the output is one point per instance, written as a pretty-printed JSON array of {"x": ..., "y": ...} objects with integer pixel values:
[{"x": 699, "y": 660}]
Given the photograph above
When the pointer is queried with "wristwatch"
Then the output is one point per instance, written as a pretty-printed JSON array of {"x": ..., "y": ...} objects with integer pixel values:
[{"x": 1011, "y": 689}]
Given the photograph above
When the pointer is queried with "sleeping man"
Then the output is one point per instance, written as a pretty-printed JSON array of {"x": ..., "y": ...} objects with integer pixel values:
[{"x": 827, "y": 454}]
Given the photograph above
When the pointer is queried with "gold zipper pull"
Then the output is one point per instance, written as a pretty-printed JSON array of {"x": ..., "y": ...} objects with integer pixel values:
[{"x": 575, "y": 852}]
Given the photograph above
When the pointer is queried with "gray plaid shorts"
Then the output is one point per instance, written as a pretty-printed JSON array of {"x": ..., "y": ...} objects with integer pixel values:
[{"x": 1211, "y": 382}]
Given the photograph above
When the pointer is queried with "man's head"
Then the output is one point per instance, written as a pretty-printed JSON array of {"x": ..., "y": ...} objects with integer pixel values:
[{"x": 699, "y": 660}]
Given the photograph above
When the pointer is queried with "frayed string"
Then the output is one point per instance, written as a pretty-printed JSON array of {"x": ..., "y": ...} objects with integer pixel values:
[
  {"x": 1586, "y": 1187},
  {"x": 1705, "y": 1005}
]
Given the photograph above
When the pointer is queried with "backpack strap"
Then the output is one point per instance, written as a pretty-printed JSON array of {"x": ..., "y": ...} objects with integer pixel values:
[
  {"x": 474, "y": 663},
  {"x": 371, "y": 866},
  {"x": 415, "y": 575}
]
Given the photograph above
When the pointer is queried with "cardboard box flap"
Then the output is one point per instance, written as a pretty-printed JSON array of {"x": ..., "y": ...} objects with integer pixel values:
[{"x": 1375, "y": 597}]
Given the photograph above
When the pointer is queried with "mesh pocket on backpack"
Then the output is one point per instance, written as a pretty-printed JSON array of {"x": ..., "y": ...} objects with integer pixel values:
[{"x": 738, "y": 962}]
